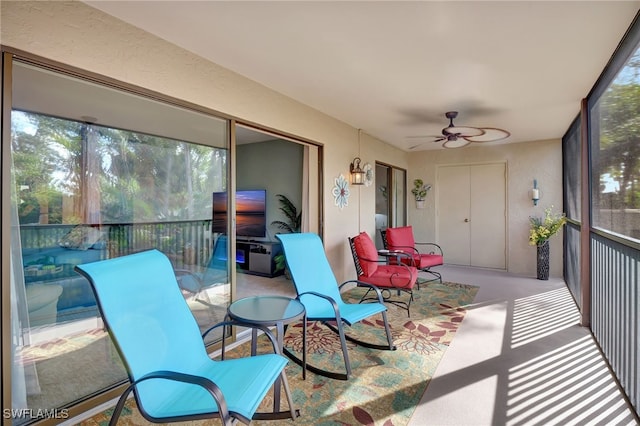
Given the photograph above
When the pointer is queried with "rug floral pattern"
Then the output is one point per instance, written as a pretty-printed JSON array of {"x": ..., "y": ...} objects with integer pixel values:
[{"x": 385, "y": 386}]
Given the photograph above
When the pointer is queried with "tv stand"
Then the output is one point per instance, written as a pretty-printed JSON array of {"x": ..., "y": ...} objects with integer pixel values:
[{"x": 258, "y": 257}]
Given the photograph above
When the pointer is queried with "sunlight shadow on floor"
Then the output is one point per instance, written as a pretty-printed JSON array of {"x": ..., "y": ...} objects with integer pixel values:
[
  {"x": 569, "y": 385},
  {"x": 541, "y": 315}
]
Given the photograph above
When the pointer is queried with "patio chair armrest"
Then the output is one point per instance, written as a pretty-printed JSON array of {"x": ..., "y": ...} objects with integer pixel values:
[
  {"x": 185, "y": 273},
  {"x": 372, "y": 260},
  {"x": 265, "y": 330},
  {"x": 405, "y": 249},
  {"x": 334, "y": 305},
  {"x": 203, "y": 382},
  {"x": 436, "y": 249},
  {"x": 314, "y": 293}
]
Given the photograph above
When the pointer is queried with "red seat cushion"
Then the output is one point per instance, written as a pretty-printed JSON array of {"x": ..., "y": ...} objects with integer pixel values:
[
  {"x": 392, "y": 276},
  {"x": 429, "y": 260},
  {"x": 366, "y": 249}
]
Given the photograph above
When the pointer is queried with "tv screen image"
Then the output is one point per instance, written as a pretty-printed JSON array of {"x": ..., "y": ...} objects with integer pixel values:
[{"x": 251, "y": 213}]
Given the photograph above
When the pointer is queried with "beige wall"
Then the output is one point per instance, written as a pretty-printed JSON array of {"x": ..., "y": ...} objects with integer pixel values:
[
  {"x": 75, "y": 34},
  {"x": 541, "y": 160}
]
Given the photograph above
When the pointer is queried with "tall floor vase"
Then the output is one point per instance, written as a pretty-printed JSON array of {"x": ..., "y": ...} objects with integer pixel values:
[{"x": 543, "y": 260}]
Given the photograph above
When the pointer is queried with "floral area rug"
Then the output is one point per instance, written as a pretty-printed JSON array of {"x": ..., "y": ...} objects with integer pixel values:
[{"x": 385, "y": 386}]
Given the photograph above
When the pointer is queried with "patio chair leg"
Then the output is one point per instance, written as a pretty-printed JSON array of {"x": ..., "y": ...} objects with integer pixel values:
[
  {"x": 119, "y": 406},
  {"x": 388, "y": 329},
  {"x": 437, "y": 277},
  {"x": 386, "y": 297},
  {"x": 292, "y": 413},
  {"x": 306, "y": 366},
  {"x": 345, "y": 353},
  {"x": 364, "y": 296},
  {"x": 367, "y": 344}
]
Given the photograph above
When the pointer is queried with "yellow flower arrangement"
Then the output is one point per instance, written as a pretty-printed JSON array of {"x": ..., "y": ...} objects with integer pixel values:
[{"x": 543, "y": 229}]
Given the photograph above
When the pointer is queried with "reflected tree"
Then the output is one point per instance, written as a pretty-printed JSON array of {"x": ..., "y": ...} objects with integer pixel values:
[
  {"x": 108, "y": 175},
  {"x": 620, "y": 134}
]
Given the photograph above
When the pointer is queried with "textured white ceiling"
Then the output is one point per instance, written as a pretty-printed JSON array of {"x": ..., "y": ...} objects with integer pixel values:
[{"x": 393, "y": 68}]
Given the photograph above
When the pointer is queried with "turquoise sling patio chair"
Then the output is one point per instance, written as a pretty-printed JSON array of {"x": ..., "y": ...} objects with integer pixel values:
[
  {"x": 171, "y": 375},
  {"x": 215, "y": 273},
  {"x": 319, "y": 292}
]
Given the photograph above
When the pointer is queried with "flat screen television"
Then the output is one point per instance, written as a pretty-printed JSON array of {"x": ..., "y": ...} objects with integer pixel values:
[{"x": 251, "y": 213}]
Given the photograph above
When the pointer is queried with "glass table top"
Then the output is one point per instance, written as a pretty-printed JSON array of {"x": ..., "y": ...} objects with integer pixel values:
[{"x": 265, "y": 309}]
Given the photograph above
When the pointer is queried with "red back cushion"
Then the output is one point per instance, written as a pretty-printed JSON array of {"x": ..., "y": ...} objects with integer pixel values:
[
  {"x": 399, "y": 238},
  {"x": 366, "y": 249}
]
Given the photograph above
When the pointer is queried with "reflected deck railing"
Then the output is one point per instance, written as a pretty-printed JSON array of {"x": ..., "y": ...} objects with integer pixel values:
[{"x": 185, "y": 242}]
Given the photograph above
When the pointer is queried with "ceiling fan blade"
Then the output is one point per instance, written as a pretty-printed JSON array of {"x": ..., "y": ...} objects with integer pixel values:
[
  {"x": 490, "y": 135},
  {"x": 437, "y": 139}
]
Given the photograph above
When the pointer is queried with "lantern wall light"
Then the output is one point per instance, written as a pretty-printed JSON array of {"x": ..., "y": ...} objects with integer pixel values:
[{"x": 357, "y": 174}]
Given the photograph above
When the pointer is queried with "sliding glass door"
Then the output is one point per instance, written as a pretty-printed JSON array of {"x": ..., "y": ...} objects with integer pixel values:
[
  {"x": 282, "y": 174},
  {"x": 391, "y": 199},
  {"x": 97, "y": 173}
]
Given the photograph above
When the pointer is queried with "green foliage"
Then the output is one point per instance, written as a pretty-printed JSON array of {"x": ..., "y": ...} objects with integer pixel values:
[
  {"x": 129, "y": 175},
  {"x": 293, "y": 217},
  {"x": 280, "y": 262},
  {"x": 291, "y": 225},
  {"x": 619, "y": 136},
  {"x": 36, "y": 165},
  {"x": 420, "y": 189},
  {"x": 544, "y": 228}
]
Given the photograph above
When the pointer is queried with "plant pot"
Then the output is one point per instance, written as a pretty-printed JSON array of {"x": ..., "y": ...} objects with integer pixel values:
[
  {"x": 543, "y": 260},
  {"x": 420, "y": 204}
]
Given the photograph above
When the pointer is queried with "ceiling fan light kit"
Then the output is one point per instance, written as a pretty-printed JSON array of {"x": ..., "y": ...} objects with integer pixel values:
[
  {"x": 456, "y": 143},
  {"x": 459, "y": 136}
]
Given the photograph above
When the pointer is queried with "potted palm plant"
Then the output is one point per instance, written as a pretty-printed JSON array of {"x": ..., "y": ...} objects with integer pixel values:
[{"x": 291, "y": 224}]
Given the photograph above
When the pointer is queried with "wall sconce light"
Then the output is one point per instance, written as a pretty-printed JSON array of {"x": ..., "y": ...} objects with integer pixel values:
[
  {"x": 357, "y": 174},
  {"x": 535, "y": 192}
]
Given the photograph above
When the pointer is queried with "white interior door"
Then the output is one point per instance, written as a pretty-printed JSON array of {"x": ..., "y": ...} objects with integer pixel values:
[
  {"x": 454, "y": 206},
  {"x": 488, "y": 215},
  {"x": 472, "y": 214}
]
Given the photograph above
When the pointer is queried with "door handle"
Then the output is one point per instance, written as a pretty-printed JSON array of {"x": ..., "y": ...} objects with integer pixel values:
[{"x": 467, "y": 220}]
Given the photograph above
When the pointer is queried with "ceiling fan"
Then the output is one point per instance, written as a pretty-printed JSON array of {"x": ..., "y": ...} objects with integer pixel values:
[{"x": 459, "y": 136}]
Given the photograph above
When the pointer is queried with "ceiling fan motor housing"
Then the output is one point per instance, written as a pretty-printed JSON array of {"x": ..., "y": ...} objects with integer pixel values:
[{"x": 459, "y": 136}]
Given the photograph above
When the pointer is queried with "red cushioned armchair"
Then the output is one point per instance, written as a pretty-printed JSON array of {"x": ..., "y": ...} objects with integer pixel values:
[
  {"x": 424, "y": 258},
  {"x": 399, "y": 278}
]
